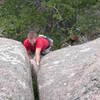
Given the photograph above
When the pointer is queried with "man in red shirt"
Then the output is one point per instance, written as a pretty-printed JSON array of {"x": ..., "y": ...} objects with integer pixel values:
[{"x": 38, "y": 45}]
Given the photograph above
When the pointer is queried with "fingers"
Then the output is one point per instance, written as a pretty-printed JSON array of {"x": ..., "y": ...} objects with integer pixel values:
[{"x": 35, "y": 67}]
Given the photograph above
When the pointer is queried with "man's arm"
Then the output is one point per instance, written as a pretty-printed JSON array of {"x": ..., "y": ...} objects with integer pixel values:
[
  {"x": 26, "y": 45},
  {"x": 37, "y": 55},
  {"x": 29, "y": 54}
]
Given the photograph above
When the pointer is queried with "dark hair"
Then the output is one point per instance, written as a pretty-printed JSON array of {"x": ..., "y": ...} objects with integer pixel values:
[{"x": 32, "y": 35}]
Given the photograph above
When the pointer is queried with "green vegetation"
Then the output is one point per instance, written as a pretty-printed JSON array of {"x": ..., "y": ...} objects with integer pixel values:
[
  {"x": 58, "y": 19},
  {"x": 35, "y": 89}
]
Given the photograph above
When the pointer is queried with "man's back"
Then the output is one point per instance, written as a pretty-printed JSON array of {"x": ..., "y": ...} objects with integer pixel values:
[{"x": 42, "y": 43}]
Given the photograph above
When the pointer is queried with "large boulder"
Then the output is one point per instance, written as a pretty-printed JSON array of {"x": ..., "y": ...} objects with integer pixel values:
[
  {"x": 71, "y": 73},
  {"x": 15, "y": 73}
]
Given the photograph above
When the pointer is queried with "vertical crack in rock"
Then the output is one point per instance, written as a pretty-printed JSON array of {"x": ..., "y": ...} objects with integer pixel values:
[
  {"x": 34, "y": 72},
  {"x": 35, "y": 88}
]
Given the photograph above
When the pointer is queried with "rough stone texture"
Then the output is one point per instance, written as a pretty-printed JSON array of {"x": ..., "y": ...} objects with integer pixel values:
[
  {"x": 15, "y": 74},
  {"x": 71, "y": 73}
]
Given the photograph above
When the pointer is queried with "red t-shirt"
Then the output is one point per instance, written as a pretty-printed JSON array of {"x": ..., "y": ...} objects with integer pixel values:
[
  {"x": 28, "y": 46},
  {"x": 42, "y": 43}
]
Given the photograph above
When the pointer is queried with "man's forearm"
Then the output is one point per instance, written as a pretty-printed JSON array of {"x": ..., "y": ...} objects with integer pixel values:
[
  {"x": 37, "y": 59},
  {"x": 29, "y": 55},
  {"x": 37, "y": 56}
]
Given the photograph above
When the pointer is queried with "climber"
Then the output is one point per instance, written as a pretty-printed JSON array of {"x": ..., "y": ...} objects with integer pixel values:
[{"x": 39, "y": 45}]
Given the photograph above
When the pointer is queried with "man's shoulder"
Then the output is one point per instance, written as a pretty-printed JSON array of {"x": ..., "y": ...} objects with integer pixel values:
[
  {"x": 26, "y": 41},
  {"x": 39, "y": 39},
  {"x": 39, "y": 42}
]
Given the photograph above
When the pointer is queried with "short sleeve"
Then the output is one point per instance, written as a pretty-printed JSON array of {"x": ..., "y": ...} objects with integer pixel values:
[{"x": 39, "y": 44}]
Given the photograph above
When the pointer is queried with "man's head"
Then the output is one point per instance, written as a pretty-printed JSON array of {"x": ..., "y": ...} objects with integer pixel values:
[{"x": 32, "y": 37}]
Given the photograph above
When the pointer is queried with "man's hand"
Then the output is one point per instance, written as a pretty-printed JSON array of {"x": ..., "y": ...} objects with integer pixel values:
[
  {"x": 37, "y": 64},
  {"x": 32, "y": 61},
  {"x": 35, "y": 67}
]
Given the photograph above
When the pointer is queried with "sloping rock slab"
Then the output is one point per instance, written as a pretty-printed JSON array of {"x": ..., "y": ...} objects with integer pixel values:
[
  {"x": 71, "y": 73},
  {"x": 15, "y": 73}
]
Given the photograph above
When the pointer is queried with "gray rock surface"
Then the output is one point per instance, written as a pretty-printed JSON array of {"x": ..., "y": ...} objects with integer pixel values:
[
  {"x": 71, "y": 73},
  {"x": 15, "y": 73}
]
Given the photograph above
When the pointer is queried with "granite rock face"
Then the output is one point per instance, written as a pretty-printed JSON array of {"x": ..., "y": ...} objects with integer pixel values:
[
  {"x": 15, "y": 73},
  {"x": 72, "y": 73}
]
